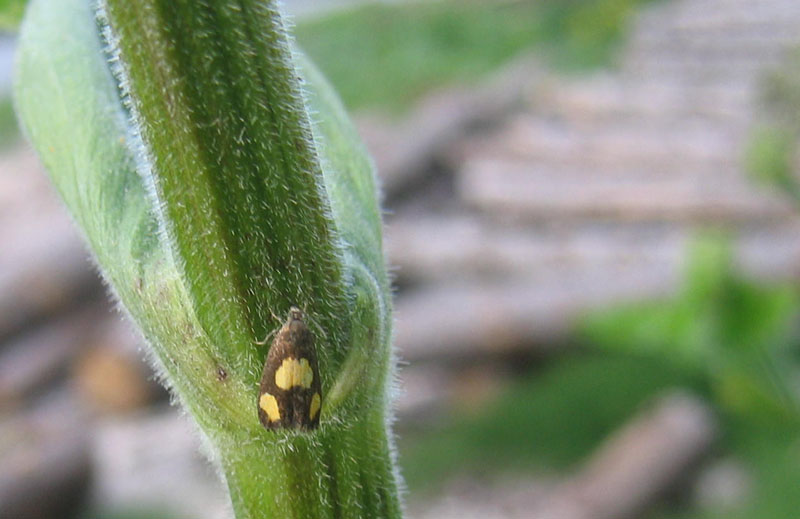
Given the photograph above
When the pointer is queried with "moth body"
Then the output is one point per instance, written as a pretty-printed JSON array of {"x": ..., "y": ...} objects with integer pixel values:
[{"x": 290, "y": 395}]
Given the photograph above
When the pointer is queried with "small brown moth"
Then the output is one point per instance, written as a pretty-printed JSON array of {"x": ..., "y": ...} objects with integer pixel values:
[{"x": 290, "y": 396}]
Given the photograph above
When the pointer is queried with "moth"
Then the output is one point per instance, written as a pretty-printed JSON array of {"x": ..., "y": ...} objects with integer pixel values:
[{"x": 290, "y": 395}]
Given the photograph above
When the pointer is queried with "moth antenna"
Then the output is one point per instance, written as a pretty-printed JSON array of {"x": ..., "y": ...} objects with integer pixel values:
[
  {"x": 266, "y": 339},
  {"x": 274, "y": 331},
  {"x": 313, "y": 322},
  {"x": 275, "y": 316}
]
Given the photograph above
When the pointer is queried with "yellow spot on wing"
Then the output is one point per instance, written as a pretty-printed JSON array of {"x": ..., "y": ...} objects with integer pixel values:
[
  {"x": 314, "y": 409},
  {"x": 269, "y": 405},
  {"x": 294, "y": 373}
]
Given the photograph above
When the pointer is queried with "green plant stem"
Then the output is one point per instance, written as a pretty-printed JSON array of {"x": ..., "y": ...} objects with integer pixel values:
[
  {"x": 343, "y": 472},
  {"x": 212, "y": 204},
  {"x": 228, "y": 146},
  {"x": 231, "y": 160}
]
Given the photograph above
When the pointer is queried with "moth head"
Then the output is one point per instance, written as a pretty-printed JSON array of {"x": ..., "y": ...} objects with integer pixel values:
[{"x": 295, "y": 314}]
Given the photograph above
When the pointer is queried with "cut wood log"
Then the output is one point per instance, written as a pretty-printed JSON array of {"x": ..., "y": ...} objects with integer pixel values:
[
  {"x": 603, "y": 99},
  {"x": 44, "y": 267},
  {"x": 95, "y": 346},
  {"x": 424, "y": 393},
  {"x": 524, "y": 190},
  {"x": 405, "y": 151},
  {"x": 437, "y": 248},
  {"x": 111, "y": 375},
  {"x": 468, "y": 320},
  {"x": 45, "y": 465},
  {"x": 637, "y": 465},
  {"x": 628, "y": 474},
  {"x": 155, "y": 460},
  {"x": 441, "y": 248},
  {"x": 650, "y": 146},
  {"x": 35, "y": 361}
]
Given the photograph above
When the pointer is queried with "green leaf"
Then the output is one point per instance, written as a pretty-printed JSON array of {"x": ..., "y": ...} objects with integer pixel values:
[
  {"x": 9, "y": 133},
  {"x": 11, "y": 13},
  {"x": 736, "y": 333},
  {"x": 768, "y": 158},
  {"x": 212, "y": 203}
]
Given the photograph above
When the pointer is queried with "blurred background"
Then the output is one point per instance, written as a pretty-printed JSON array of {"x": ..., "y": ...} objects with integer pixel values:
[{"x": 593, "y": 219}]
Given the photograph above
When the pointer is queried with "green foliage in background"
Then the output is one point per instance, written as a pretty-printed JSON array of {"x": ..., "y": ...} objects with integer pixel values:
[
  {"x": 768, "y": 452},
  {"x": 739, "y": 335},
  {"x": 768, "y": 158},
  {"x": 771, "y": 154},
  {"x": 731, "y": 341},
  {"x": 741, "y": 339},
  {"x": 9, "y": 134},
  {"x": 388, "y": 55},
  {"x": 546, "y": 421},
  {"x": 781, "y": 92},
  {"x": 11, "y": 13},
  {"x": 212, "y": 204}
]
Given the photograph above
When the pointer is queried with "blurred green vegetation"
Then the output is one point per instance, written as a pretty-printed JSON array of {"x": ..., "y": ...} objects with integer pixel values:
[
  {"x": 732, "y": 341},
  {"x": 9, "y": 133},
  {"x": 741, "y": 338},
  {"x": 770, "y": 452},
  {"x": 781, "y": 92},
  {"x": 388, "y": 55},
  {"x": 739, "y": 335},
  {"x": 768, "y": 157},
  {"x": 11, "y": 13},
  {"x": 544, "y": 422},
  {"x": 771, "y": 154}
]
